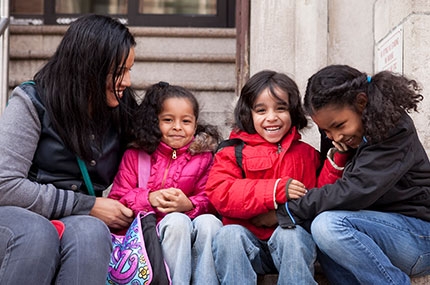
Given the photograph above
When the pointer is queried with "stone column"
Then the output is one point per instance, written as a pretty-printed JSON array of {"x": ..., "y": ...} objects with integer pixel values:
[
  {"x": 350, "y": 30},
  {"x": 289, "y": 36},
  {"x": 413, "y": 18}
]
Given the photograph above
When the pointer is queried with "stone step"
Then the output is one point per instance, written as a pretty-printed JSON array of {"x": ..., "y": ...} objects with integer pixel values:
[
  {"x": 200, "y": 59},
  {"x": 202, "y": 76},
  {"x": 272, "y": 279}
]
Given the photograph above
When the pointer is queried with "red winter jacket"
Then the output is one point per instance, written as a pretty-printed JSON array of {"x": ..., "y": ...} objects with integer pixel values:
[
  {"x": 239, "y": 199},
  {"x": 187, "y": 172}
]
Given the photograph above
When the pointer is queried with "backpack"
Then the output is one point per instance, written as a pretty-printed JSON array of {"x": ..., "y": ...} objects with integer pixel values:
[
  {"x": 137, "y": 257},
  {"x": 238, "y": 147}
]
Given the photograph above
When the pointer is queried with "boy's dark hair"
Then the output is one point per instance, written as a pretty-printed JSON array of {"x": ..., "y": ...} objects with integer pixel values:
[
  {"x": 253, "y": 88},
  {"x": 72, "y": 84},
  {"x": 389, "y": 96},
  {"x": 147, "y": 134}
]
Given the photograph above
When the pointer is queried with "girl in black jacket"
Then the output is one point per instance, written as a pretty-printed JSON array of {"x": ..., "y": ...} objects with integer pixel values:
[{"x": 372, "y": 226}]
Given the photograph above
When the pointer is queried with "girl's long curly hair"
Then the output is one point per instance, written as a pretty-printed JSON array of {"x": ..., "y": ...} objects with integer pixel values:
[
  {"x": 389, "y": 96},
  {"x": 147, "y": 133}
]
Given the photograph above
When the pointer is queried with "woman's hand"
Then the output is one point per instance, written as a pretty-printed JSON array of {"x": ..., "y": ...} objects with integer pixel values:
[
  {"x": 170, "y": 200},
  {"x": 114, "y": 214}
]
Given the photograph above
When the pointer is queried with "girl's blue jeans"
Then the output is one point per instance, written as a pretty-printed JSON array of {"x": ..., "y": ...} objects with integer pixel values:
[
  {"x": 240, "y": 256},
  {"x": 186, "y": 247},
  {"x": 369, "y": 247},
  {"x": 32, "y": 253}
]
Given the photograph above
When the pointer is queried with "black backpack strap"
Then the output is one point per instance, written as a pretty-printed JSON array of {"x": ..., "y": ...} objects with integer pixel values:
[{"x": 238, "y": 147}]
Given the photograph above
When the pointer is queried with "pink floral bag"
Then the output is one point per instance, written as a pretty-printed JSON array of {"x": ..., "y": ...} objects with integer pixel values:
[{"x": 137, "y": 257}]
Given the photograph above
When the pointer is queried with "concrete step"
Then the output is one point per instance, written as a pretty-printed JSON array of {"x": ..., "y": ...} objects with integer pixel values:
[
  {"x": 200, "y": 59},
  {"x": 272, "y": 279},
  {"x": 201, "y": 76}
]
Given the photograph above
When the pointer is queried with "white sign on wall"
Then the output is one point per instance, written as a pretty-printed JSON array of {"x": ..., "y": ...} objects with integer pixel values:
[{"x": 389, "y": 52}]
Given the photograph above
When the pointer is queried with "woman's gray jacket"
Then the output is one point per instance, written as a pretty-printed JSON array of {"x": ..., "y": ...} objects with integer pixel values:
[{"x": 37, "y": 171}]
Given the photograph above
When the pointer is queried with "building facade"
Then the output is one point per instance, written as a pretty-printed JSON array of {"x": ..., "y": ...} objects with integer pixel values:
[
  {"x": 297, "y": 37},
  {"x": 300, "y": 37}
]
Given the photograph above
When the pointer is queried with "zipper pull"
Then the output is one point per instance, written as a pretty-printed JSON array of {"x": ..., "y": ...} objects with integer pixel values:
[
  {"x": 174, "y": 154},
  {"x": 279, "y": 148}
]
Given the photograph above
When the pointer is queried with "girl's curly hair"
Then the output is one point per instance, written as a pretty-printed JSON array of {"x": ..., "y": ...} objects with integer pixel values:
[
  {"x": 146, "y": 130},
  {"x": 389, "y": 96}
]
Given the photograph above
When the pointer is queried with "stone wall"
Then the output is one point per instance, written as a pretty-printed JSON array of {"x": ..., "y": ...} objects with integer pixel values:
[{"x": 301, "y": 37}]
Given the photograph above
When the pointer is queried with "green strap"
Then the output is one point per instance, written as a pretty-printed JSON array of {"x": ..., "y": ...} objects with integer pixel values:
[
  {"x": 29, "y": 82},
  {"x": 86, "y": 176}
]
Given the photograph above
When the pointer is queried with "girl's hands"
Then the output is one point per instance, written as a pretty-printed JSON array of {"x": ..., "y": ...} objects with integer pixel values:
[
  {"x": 170, "y": 200},
  {"x": 340, "y": 146},
  {"x": 341, "y": 155},
  {"x": 295, "y": 189},
  {"x": 114, "y": 214},
  {"x": 268, "y": 219}
]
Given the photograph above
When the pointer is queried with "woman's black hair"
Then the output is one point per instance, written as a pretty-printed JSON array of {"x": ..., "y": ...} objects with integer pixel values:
[
  {"x": 147, "y": 133},
  {"x": 257, "y": 84},
  {"x": 389, "y": 96},
  {"x": 73, "y": 82}
]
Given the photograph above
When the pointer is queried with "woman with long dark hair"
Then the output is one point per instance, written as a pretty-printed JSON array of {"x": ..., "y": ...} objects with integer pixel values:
[{"x": 75, "y": 111}]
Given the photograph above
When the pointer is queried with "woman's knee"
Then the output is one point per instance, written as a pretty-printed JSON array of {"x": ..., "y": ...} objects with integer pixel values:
[
  {"x": 28, "y": 226},
  {"x": 85, "y": 226},
  {"x": 86, "y": 231},
  {"x": 26, "y": 233}
]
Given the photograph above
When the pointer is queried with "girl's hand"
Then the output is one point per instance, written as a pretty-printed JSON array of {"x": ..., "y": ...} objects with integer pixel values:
[
  {"x": 114, "y": 214},
  {"x": 173, "y": 200},
  {"x": 341, "y": 155},
  {"x": 268, "y": 219},
  {"x": 295, "y": 189},
  {"x": 153, "y": 198},
  {"x": 340, "y": 146}
]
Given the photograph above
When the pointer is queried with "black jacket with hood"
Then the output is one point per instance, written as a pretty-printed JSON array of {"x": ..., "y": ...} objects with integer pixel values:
[{"x": 389, "y": 176}]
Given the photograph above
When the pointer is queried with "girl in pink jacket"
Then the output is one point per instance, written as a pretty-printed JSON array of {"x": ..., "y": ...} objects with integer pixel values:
[{"x": 181, "y": 154}]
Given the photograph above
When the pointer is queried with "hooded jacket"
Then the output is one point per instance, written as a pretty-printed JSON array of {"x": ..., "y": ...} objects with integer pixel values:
[
  {"x": 186, "y": 168},
  {"x": 240, "y": 199},
  {"x": 389, "y": 176}
]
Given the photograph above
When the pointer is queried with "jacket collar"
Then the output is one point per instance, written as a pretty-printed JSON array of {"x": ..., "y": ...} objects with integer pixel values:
[
  {"x": 257, "y": 140},
  {"x": 166, "y": 150}
]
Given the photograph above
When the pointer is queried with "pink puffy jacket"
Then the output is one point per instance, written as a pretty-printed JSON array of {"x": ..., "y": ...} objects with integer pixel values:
[{"x": 188, "y": 172}]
